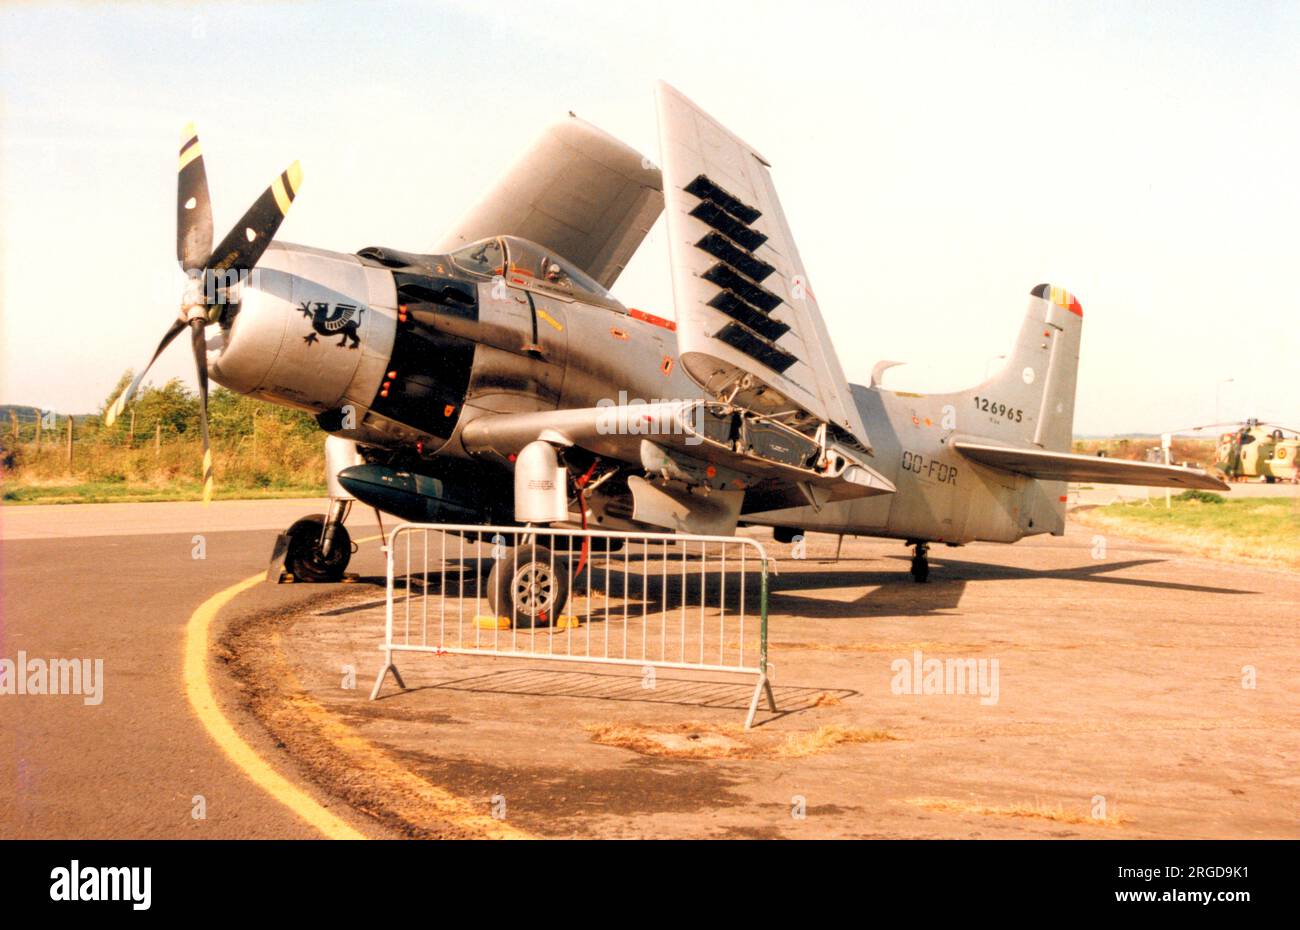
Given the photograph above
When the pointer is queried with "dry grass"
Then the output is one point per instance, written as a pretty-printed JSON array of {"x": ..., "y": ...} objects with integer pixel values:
[
  {"x": 1037, "y": 810},
  {"x": 681, "y": 741},
  {"x": 825, "y": 738},
  {"x": 709, "y": 741},
  {"x": 280, "y": 461}
]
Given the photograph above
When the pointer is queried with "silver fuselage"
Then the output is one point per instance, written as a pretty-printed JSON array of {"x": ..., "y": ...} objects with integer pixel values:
[{"x": 529, "y": 347}]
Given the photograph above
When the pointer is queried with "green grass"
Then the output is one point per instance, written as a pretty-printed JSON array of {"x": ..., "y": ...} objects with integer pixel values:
[{"x": 1257, "y": 530}]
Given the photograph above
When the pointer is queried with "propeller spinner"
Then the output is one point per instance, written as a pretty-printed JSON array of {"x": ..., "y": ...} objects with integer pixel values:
[{"x": 211, "y": 271}]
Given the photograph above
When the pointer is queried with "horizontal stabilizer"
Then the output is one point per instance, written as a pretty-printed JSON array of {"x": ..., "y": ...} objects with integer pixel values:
[{"x": 1068, "y": 466}]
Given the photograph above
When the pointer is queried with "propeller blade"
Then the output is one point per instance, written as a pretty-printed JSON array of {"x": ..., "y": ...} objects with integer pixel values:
[
  {"x": 245, "y": 243},
  {"x": 200, "y": 343},
  {"x": 193, "y": 207},
  {"x": 124, "y": 398}
]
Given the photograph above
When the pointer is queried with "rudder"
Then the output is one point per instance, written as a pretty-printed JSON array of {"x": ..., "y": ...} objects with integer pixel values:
[{"x": 1037, "y": 383}]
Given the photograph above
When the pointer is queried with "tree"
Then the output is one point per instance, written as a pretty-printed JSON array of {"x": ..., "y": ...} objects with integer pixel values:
[{"x": 173, "y": 405}]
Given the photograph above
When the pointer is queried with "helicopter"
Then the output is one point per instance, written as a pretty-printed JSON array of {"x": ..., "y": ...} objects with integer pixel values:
[{"x": 1257, "y": 449}]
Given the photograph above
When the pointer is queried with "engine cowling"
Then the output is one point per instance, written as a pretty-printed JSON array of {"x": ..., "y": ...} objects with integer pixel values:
[{"x": 312, "y": 329}]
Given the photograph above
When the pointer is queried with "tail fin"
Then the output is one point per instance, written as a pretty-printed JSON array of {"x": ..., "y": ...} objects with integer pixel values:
[{"x": 1031, "y": 399}]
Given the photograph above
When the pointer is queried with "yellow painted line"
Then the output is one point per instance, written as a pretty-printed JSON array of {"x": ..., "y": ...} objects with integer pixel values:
[
  {"x": 198, "y": 689},
  {"x": 551, "y": 320},
  {"x": 377, "y": 767}
]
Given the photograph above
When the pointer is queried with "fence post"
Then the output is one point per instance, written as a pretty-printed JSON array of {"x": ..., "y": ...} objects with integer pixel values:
[
  {"x": 763, "y": 686},
  {"x": 40, "y": 423},
  {"x": 69, "y": 443},
  {"x": 157, "y": 440},
  {"x": 762, "y": 621}
]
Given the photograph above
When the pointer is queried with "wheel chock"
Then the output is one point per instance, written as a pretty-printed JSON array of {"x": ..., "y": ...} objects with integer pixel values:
[
  {"x": 567, "y": 623},
  {"x": 492, "y": 623},
  {"x": 275, "y": 571}
]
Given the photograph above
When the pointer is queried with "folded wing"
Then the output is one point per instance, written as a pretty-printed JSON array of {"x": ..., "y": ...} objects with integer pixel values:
[
  {"x": 576, "y": 190},
  {"x": 749, "y": 328}
]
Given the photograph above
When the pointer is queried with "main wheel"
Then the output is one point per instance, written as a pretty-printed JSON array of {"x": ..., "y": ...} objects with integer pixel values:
[
  {"x": 920, "y": 570},
  {"x": 529, "y": 584},
  {"x": 303, "y": 558}
]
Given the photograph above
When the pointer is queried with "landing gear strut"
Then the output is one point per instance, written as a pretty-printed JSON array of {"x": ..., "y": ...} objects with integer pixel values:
[
  {"x": 920, "y": 561},
  {"x": 319, "y": 547}
]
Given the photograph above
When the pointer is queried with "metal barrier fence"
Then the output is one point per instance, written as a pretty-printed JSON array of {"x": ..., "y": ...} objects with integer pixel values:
[{"x": 657, "y": 600}]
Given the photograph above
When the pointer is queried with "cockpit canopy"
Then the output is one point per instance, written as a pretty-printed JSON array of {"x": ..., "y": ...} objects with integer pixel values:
[{"x": 526, "y": 264}]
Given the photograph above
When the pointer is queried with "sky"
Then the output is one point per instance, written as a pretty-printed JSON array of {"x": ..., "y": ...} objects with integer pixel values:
[{"x": 935, "y": 162}]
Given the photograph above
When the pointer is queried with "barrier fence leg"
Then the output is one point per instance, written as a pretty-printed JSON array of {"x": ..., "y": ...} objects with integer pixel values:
[
  {"x": 390, "y": 572},
  {"x": 753, "y": 702},
  {"x": 762, "y": 686},
  {"x": 383, "y": 673}
]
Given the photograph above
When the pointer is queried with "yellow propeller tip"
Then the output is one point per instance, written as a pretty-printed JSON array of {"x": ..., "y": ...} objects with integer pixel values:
[
  {"x": 295, "y": 176},
  {"x": 188, "y": 133}
]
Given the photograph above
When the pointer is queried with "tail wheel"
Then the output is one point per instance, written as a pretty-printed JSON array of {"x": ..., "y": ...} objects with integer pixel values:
[
  {"x": 304, "y": 559},
  {"x": 920, "y": 562},
  {"x": 530, "y": 585}
]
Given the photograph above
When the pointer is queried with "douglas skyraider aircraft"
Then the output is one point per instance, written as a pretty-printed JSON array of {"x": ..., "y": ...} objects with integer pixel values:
[{"x": 500, "y": 361}]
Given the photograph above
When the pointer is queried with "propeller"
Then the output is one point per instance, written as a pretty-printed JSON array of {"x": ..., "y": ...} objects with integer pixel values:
[{"x": 211, "y": 271}]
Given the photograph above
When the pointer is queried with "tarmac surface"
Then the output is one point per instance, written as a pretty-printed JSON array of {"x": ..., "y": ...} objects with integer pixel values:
[{"x": 1140, "y": 693}]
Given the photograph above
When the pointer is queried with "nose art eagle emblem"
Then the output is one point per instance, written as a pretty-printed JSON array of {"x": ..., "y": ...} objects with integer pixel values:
[{"x": 336, "y": 320}]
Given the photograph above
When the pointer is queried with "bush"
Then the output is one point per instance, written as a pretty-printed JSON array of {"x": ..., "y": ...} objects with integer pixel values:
[
  {"x": 255, "y": 446},
  {"x": 1201, "y": 497}
]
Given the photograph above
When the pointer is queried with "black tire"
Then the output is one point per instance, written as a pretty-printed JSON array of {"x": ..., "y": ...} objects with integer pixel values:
[
  {"x": 303, "y": 559},
  {"x": 537, "y": 578},
  {"x": 920, "y": 571}
]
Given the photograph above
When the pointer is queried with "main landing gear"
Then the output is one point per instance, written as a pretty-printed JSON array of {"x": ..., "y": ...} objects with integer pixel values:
[
  {"x": 920, "y": 561},
  {"x": 530, "y": 585}
]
